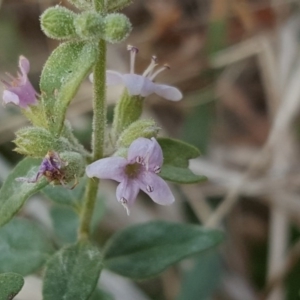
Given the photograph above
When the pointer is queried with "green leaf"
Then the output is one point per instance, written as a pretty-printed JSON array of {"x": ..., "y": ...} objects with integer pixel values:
[
  {"x": 176, "y": 161},
  {"x": 180, "y": 175},
  {"x": 66, "y": 220},
  {"x": 61, "y": 195},
  {"x": 177, "y": 153},
  {"x": 101, "y": 295},
  {"x": 145, "y": 250},
  {"x": 72, "y": 273},
  {"x": 13, "y": 193},
  {"x": 24, "y": 247},
  {"x": 63, "y": 72},
  {"x": 10, "y": 285},
  {"x": 65, "y": 223},
  {"x": 203, "y": 279}
]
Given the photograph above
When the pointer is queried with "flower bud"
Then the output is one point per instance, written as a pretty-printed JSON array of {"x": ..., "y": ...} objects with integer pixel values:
[
  {"x": 140, "y": 128},
  {"x": 89, "y": 24},
  {"x": 114, "y": 5},
  {"x": 74, "y": 165},
  {"x": 117, "y": 27},
  {"x": 58, "y": 23},
  {"x": 82, "y": 4},
  {"x": 36, "y": 141}
]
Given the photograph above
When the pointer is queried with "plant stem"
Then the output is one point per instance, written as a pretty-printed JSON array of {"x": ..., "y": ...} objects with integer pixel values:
[{"x": 99, "y": 123}]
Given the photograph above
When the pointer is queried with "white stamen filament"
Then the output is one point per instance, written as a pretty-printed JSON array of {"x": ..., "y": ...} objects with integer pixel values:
[
  {"x": 124, "y": 202},
  {"x": 151, "y": 67},
  {"x": 159, "y": 71},
  {"x": 146, "y": 161},
  {"x": 133, "y": 51}
]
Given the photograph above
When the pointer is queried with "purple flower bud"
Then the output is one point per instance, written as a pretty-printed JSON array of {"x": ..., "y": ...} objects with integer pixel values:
[
  {"x": 20, "y": 91},
  {"x": 138, "y": 172}
]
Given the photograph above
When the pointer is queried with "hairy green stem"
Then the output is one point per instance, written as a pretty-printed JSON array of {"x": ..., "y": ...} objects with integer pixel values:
[{"x": 99, "y": 123}]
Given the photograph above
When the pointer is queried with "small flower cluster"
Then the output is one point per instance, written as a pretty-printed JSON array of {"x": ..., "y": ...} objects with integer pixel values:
[{"x": 139, "y": 171}]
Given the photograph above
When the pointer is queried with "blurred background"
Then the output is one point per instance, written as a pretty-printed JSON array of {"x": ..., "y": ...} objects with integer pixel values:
[{"x": 237, "y": 63}]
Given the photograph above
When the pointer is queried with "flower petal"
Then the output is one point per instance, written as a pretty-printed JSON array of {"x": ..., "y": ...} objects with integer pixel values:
[
  {"x": 24, "y": 65},
  {"x": 167, "y": 92},
  {"x": 113, "y": 78},
  {"x": 138, "y": 148},
  {"x": 149, "y": 150},
  {"x": 9, "y": 97},
  {"x": 135, "y": 84},
  {"x": 155, "y": 155},
  {"x": 157, "y": 189},
  {"x": 148, "y": 88},
  {"x": 107, "y": 168},
  {"x": 127, "y": 189}
]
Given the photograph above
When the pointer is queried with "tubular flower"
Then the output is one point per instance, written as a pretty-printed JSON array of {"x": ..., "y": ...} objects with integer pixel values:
[
  {"x": 51, "y": 167},
  {"x": 142, "y": 85},
  {"x": 138, "y": 172},
  {"x": 20, "y": 91}
]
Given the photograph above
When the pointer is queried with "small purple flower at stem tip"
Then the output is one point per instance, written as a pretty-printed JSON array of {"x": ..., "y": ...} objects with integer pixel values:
[
  {"x": 51, "y": 168},
  {"x": 19, "y": 90},
  {"x": 142, "y": 85},
  {"x": 138, "y": 172}
]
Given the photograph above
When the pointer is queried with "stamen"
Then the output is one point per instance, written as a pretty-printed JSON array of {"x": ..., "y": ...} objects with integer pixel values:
[
  {"x": 133, "y": 51},
  {"x": 151, "y": 67},
  {"x": 156, "y": 169},
  {"x": 139, "y": 159},
  {"x": 124, "y": 202},
  {"x": 146, "y": 161},
  {"x": 159, "y": 71},
  {"x": 149, "y": 188}
]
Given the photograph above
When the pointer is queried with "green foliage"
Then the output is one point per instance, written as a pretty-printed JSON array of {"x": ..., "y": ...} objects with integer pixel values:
[
  {"x": 66, "y": 221},
  {"x": 203, "y": 279},
  {"x": 61, "y": 195},
  {"x": 180, "y": 175},
  {"x": 75, "y": 165},
  {"x": 72, "y": 273},
  {"x": 140, "y": 128},
  {"x": 176, "y": 161},
  {"x": 114, "y": 5},
  {"x": 10, "y": 285},
  {"x": 145, "y": 250},
  {"x": 82, "y": 4},
  {"x": 63, "y": 72},
  {"x": 37, "y": 141},
  {"x": 13, "y": 193},
  {"x": 100, "y": 295},
  {"x": 58, "y": 23},
  {"x": 89, "y": 24},
  {"x": 127, "y": 111},
  {"x": 24, "y": 247},
  {"x": 117, "y": 27}
]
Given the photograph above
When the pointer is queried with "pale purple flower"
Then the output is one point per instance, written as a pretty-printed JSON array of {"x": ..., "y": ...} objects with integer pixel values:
[
  {"x": 20, "y": 91},
  {"x": 138, "y": 172},
  {"x": 142, "y": 85}
]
